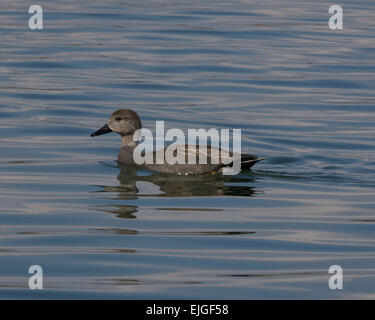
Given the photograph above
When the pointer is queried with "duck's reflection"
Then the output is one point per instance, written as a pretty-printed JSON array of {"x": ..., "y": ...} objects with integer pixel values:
[
  {"x": 123, "y": 211},
  {"x": 134, "y": 183}
]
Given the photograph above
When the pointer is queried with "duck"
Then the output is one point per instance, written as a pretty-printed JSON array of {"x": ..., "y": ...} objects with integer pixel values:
[{"x": 127, "y": 124}]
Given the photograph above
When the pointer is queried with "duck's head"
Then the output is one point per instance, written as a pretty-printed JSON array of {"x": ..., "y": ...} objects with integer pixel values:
[{"x": 124, "y": 122}]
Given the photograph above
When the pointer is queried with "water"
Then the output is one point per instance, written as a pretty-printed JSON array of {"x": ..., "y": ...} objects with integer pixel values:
[{"x": 303, "y": 95}]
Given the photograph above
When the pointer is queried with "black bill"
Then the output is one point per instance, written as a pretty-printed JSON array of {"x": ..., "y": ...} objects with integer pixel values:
[{"x": 103, "y": 130}]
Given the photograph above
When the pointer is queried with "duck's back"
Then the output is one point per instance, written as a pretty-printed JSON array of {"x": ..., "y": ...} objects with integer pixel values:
[{"x": 125, "y": 156}]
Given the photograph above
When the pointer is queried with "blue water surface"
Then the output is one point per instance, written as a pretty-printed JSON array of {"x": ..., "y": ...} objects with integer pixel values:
[{"x": 303, "y": 95}]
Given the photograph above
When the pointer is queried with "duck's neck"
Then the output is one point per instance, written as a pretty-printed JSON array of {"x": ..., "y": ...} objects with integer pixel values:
[{"x": 127, "y": 141}]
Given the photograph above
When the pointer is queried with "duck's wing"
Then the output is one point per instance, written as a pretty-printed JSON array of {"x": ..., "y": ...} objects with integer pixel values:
[
  {"x": 204, "y": 155},
  {"x": 212, "y": 156},
  {"x": 217, "y": 156},
  {"x": 192, "y": 154}
]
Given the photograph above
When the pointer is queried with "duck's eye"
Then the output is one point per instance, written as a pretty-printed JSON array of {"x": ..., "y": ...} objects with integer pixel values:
[{"x": 118, "y": 118}]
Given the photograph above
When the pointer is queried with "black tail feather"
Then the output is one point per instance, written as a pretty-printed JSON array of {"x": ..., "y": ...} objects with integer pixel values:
[{"x": 247, "y": 161}]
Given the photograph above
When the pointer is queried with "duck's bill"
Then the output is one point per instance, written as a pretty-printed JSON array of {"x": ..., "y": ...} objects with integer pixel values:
[{"x": 103, "y": 130}]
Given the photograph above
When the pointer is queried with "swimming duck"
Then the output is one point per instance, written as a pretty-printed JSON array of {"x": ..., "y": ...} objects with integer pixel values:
[{"x": 126, "y": 122}]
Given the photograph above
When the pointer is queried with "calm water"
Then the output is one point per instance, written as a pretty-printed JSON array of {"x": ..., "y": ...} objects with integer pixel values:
[{"x": 303, "y": 95}]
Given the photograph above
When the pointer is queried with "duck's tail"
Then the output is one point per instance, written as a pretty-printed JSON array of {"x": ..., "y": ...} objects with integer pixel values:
[{"x": 248, "y": 161}]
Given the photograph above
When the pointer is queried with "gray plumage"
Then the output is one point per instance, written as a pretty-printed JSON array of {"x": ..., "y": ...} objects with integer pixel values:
[{"x": 126, "y": 123}]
